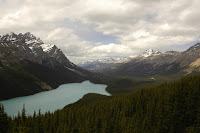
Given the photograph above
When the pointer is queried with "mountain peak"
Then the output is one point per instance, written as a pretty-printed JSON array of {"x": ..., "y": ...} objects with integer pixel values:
[
  {"x": 150, "y": 52},
  {"x": 26, "y": 38},
  {"x": 193, "y": 48},
  {"x": 31, "y": 48},
  {"x": 29, "y": 35},
  {"x": 10, "y": 34}
]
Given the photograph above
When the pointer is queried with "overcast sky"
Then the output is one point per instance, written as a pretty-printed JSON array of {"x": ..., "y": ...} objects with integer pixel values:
[{"x": 90, "y": 29}]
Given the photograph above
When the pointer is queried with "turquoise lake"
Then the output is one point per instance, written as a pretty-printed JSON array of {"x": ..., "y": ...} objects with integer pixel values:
[{"x": 54, "y": 99}]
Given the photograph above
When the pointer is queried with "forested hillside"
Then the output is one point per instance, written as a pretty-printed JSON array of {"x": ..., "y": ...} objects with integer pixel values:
[{"x": 170, "y": 107}]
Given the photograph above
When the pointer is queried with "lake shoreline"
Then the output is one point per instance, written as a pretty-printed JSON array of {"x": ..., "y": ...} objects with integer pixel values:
[{"x": 54, "y": 99}]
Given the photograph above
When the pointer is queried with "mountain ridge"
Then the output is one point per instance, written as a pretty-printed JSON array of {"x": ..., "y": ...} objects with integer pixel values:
[
  {"x": 151, "y": 63},
  {"x": 99, "y": 64},
  {"x": 164, "y": 64}
]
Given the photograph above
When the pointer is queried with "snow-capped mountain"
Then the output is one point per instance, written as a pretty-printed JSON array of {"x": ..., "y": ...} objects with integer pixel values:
[
  {"x": 152, "y": 63},
  {"x": 194, "y": 50},
  {"x": 113, "y": 61},
  {"x": 103, "y": 63},
  {"x": 149, "y": 52},
  {"x": 33, "y": 49}
]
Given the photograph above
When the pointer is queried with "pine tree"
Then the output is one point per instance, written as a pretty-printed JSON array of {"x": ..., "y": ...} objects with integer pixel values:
[
  {"x": 24, "y": 114},
  {"x": 4, "y": 120}
]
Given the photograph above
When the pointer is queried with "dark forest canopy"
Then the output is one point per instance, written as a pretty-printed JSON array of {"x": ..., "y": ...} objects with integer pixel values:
[{"x": 170, "y": 107}]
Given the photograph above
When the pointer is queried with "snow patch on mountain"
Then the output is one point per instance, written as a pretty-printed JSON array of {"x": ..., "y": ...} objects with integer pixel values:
[
  {"x": 108, "y": 60},
  {"x": 150, "y": 52},
  {"x": 33, "y": 49},
  {"x": 47, "y": 47},
  {"x": 192, "y": 50}
]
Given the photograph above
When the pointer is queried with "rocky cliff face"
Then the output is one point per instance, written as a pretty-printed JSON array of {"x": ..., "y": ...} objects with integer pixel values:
[{"x": 28, "y": 47}]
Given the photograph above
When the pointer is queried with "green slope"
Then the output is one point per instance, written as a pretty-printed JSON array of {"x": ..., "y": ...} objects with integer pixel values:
[{"x": 17, "y": 82}]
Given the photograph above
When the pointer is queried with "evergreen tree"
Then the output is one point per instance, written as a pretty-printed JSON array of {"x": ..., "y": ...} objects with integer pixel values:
[
  {"x": 4, "y": 120},
  {"x": 24, "y": 114}
]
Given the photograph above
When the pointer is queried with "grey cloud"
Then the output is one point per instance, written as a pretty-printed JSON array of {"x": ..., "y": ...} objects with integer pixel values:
[{"x": 137, "y": 25}]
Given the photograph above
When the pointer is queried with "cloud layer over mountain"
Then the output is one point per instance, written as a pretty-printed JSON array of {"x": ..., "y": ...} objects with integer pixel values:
[{"x": 89, "y": 29}]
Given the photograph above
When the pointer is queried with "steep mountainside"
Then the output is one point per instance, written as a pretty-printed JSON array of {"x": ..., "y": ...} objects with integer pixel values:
[
  {"x": 28, "y": 66},
  {"x": 148, "y": 66}
]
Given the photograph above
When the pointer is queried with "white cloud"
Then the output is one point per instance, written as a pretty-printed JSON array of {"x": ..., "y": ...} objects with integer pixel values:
[
  {"x": 103, "y": 51},
  {"x": 111, "y": 50},
  {"x": 137, "y": 25},
  {"x": 68, "y": 42},
  {"x": 165, "y": 26}
]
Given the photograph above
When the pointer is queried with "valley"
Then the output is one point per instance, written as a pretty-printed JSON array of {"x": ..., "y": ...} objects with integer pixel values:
[
  {"x": 25, "y": 60},
  {"x": 168, "y": 107},
  {"x": 143, "y": 89}
]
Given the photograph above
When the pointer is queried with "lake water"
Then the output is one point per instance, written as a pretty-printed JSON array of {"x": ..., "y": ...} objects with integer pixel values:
[{"x": 52, "y": 100}]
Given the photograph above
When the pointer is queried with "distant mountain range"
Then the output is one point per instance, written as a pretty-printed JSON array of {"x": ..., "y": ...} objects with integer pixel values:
[
  {"x": 103, "y": 63},
  {"x": 151, "y": 63},
  {"x": 100, "y": 64},
  {"x": 28, "y": 66}
]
